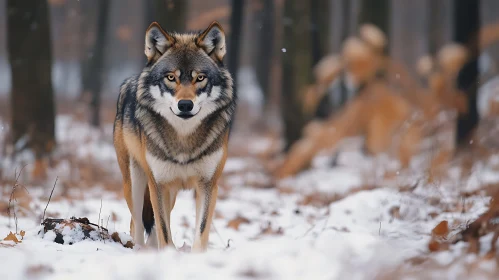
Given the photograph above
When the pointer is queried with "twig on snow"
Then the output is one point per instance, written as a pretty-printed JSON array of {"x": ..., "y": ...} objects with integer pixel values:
[
  {"x": 50, "y": 197},
  {"x": 327, "y": 220},
  {"x": 220, "y": 236},
  {"x": 12, "y": 197},
  {"x": 107, "y": 223},
  {"x": 99, "y": 220},
  {"x": 228, "y": 244}
]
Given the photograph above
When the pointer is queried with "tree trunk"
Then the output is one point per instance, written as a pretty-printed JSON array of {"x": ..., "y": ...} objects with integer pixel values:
[
  {"x": 236, "y": 21},
  {"x": 297, "y": 67},
  {"x": 320, "y": 29},
  {"x": 265, "y": 26},
  {"x": 435, "y": 27},
  {"x": 345, "y": 32},
  {"x": 344, "y": 35},
  {"x": 466, "y": 27},
  {"x": 88, "y": 28},
  {"x": 96, "y": 64},
  {"x": 170, "y": 14},
  {"x": 377, "y": 13},
  {"x": 32, "y": 102}
]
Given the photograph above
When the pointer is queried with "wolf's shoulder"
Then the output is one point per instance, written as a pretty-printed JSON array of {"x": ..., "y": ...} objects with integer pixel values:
[
  {"x": 127, "y": 98},
  {"x": 129, "y": 84}
]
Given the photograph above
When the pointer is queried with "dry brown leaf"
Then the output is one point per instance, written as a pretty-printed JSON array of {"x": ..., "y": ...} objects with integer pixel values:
[
  {"x": 433, "y": 215},
  {"x": 116, "y": 238},
  {"x": 128, "y": 244},
  {"x": 4, "y": 207},
  {"x": 439, "y": 233},
  {"x": 22, "y": 233},
  {"x": 114, "y": 217},
  {"x": 268, "y": 230},
  {"x": 435, "y": 245},
  {"x": 441, "y": 230},
  {"x": 395, "y": 212},
  {"x": 12, "y": 237},
  {"x": 286, "y": 190},
  {"x": 218, "y": 215},
  {"x": 237, "y": 221}
]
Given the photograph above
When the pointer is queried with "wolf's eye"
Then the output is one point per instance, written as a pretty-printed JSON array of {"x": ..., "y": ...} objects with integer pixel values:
[
  {"x": 170, "y": 77},
  {"x": 200, "y": 78}
]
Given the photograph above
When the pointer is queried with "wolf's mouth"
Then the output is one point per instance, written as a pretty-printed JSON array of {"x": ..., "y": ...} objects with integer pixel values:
[{"x": 183, "y": 115}]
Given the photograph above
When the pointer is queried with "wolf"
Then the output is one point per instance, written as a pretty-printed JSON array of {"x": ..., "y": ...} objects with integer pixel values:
[{"x": 171, "y": 131}]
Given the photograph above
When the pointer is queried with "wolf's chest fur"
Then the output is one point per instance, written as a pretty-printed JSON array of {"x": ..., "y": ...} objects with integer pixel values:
[{"x": 165, "y": 171}]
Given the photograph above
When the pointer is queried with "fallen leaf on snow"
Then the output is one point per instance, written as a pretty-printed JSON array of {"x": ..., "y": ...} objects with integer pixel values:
[
  {"x": 441, "y": 230},
  {"x": 268, "y": 230},
  {"x": 218, "y": 215},
  {"x": 237, "y": 221},
  {"x": 116, "y": 238},
  {"x": 114, "y": 217},
  {"x": 439, "y": 234},
  {"x": 12, "y": 237},
  {"x": 395, "y": 212}
]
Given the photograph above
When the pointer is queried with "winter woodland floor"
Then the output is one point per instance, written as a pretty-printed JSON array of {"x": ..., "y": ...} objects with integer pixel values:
[{"x": 342, "y": 222}]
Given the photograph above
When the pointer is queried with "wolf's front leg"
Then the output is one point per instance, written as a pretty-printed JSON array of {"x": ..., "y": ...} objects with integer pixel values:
[
  {"x": 161, "y": 225},
  {"x": 139, "y": 184},
  {"x": 206, "y": 198},
  {"x": 169, "y": 198}
]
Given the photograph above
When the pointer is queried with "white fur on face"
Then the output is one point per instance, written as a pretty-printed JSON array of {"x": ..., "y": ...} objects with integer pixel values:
[{"x": 167, "y": 107}]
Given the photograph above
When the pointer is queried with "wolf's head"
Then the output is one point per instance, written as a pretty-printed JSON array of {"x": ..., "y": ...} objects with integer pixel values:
[{"x": 185, "y": 80}]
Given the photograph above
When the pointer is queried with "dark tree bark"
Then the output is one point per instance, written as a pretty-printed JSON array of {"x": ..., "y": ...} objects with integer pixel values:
[
  {"x": 435, "y": 27},
  {"x": 344, "y": 35},
  {"x": 264, "y": 26},
  {"x": 88, "y": 29},
  {"x": 170, "y": 14},
  {"x": 320, "y": 17},
  {"x": 236, "y": 23},
  {"x": 296, "y": 67},
  {"x": 345, "y": 28},
  {"x": 96, "y": 63},
  {"x": 341, "y": 16},
  {"x": 377, "y": 13},
  {"x": 466, "y": 27},
  {"x": 32, "y": 102}
]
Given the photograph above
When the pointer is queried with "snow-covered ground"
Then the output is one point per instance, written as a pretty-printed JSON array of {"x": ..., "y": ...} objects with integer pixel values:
[{"x": 326, "y": 223}]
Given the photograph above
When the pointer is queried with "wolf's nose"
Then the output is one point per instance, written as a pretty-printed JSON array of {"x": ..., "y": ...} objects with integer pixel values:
[{"x": 185, "y": 105}]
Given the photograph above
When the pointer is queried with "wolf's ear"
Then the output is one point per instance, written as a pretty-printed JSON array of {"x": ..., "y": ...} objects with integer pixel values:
[
  {"x": 212, "y": 41},
  {"x": 157, "y": 42}
]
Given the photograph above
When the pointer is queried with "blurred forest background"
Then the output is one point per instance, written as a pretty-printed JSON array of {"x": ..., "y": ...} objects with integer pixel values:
[
  {"x": 69, "y": 56},
  {"x": 387, "y": 112}
]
